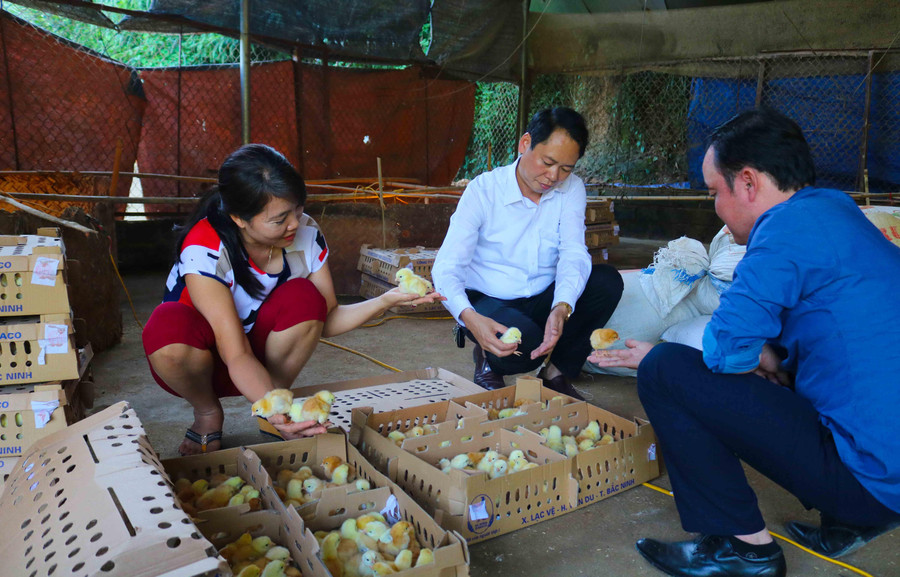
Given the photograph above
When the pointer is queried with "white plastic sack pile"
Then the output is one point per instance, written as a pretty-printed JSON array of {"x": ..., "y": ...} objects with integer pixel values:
[{"x": 683, "y": 283}]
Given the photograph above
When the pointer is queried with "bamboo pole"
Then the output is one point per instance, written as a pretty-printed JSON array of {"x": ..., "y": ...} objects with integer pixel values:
[{"x": 50, "y": 217}]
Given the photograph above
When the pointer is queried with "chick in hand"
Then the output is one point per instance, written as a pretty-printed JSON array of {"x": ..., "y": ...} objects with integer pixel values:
[
  {"x": 315, "y": 408},
  {"x": 277, "y": 402},
  {"x": 603, "y": 338},
  {"x": 411, "y": 283},
  {"x": 512, "y": 335}
]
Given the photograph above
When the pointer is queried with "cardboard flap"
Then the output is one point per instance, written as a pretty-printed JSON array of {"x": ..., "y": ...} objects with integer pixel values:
[{"x": 100, "y": 476}]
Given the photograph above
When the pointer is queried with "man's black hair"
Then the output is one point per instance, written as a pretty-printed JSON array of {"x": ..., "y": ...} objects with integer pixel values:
[
  {"x": 546, "y": 121},
  {"x": 770, "y": 142}
]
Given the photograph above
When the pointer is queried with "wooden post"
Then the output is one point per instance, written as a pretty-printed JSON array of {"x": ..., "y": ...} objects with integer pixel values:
[
  {"x": 862, "y": 178},
  {"x": 381, "y": 202},
  {"x": 760, "y": 81},
  {"x": 114, "y": 179}
]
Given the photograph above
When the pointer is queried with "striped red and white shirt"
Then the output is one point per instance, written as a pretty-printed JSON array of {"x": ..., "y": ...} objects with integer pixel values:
[{"x": 203, "y": 253}]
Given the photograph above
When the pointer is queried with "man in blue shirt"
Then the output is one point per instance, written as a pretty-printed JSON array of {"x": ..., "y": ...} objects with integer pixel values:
[
  {"x": 514, "y": 256},
  {"x": 799, "y": 371}
]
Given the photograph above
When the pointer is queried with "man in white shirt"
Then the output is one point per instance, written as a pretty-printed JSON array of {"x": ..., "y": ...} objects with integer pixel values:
[{"x": 514, "y": 256}]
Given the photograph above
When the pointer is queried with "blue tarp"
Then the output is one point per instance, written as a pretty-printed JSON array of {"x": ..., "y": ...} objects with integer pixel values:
[{"x": 829, "y": 109}]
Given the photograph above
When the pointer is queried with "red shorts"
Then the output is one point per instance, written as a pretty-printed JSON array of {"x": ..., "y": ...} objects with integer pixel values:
[{"x": 292, "y": 303}]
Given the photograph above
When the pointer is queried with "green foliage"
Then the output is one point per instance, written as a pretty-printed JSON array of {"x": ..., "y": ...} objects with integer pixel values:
[
  {"x": 494, "y": 128},
  {"x": 144, "y": 50}
]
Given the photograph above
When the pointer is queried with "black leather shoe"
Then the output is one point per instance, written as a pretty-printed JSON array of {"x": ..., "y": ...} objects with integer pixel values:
[
  {"x": 484, "y": 376},
  {"x": 561, "y": 385},
  {"x": 708, "y": 556},
  {"x": 832, "y": 538}
]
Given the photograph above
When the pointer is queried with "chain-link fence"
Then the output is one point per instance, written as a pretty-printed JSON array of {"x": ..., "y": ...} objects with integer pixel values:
[
  {"x": 99, "y": 99},
  {"x": 648, "y": 126},
  {"x": 171, "y": 104}
]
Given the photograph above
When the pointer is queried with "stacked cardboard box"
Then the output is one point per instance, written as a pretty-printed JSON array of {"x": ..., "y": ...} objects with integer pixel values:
[
  {"x": 380, "y": 265},
  {"x": 119, "y": 513},
  {"x": 479, "y": 507},
  {"x": 44, "y": 378},
  {"x": 601, "y": 229}
]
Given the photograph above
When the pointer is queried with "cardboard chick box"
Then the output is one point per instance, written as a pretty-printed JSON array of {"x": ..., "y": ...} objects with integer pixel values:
[
  {"x": 277, "y": 459},
  {"x": 602, "y": 471},
  {"x": 383, "y": 263},
  {"x": 32, "y": 275},
  {"x": 384, "y": 393},
  {"x": 36, "y": 349},
  {"x": 91, "y": 500},
  {"x": 472, "y": 503},
  {"x": 30, "y": 412},
  {"x": 214, "y": 468},
  {"x": 451, "y": 555},
  {"x": 223, "y": 527},
  {"x": 6, "y": 466}
]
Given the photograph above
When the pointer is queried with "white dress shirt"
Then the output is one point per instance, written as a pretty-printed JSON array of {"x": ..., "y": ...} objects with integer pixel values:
[{"x": 506, "y": 246}]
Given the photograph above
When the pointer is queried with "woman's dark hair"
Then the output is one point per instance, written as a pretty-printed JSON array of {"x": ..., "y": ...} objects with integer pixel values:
[
  {"x": 249, "y": 177},
  {"x": 546, "y": 121},
  {"x": 770, "y": 142}
]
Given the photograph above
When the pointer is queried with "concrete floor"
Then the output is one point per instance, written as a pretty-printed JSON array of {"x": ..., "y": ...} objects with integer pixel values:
[{"x": 596, "y": 540}]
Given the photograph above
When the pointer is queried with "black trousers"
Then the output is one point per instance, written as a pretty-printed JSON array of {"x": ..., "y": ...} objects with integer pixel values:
[
  {"x": 529, "y": 314},
  {"x": 707, "y": 423}
]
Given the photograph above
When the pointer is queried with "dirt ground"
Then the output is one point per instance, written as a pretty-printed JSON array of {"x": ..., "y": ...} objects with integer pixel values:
[{"x": 596, "y": 540}]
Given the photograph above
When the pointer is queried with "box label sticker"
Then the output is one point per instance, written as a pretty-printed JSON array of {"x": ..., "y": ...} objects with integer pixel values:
[
  {"x": 42, "y": 412},
  {"x": 44, "y": 271},
  {"x": 651, "y": 452},
  {"x": 56, "y": 338},
  {"x": 481, "y": 514},
  {"x": 391, "y": 510}
]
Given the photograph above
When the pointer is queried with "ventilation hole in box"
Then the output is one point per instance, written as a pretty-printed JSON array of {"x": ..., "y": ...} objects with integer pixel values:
[
  {"x": 66, "y": 458},
  {"x": 108, "y": 566},
  {"x": 65, "y": 513},
  {"x": 19, "y": 436},
  {"x": 46, "y": 518},
  {"x": 70, "y": 468},
  {"x": 47, "y": 543},
  {"x": 29, "y": 564},
  {"x": 156, "y": 510},
  {"x": 71, "y": 540},
  {"x": 148, "y": 498},
  {"x": 96, "y": 537},
  {"x": 42, "y": 507},
  {"x": 28, "y": 535},
  {"x": 77, "y": 567},
  {"x": 3, "y": 437},
  {"x": 50, "y": 556},
  {"x": 173, "y": 543}
]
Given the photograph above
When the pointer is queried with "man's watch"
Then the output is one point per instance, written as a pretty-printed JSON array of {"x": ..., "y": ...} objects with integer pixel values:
[{"x": 568, "y": 308}]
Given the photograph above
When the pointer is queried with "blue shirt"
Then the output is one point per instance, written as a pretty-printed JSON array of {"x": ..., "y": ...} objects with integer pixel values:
[
  {"x": 506, "y": 246},
  {"x": 822, "y": 282}
]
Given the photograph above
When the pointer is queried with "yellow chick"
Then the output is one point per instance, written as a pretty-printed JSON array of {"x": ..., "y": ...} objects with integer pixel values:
[
  {"x": 313, "y": 486},
  {"x": 416, "y": 431},
  {"x": 341, "y": 474},
  {"x": 498, "y": 469},
  {"x": 315, "y": 408},
  {"x": 362, "y": 484},
  {"x": 429, "y": 429},
  {"x": 411, "y": 283},
  {"x": 277, "y": 402},
  {"x": 426, "y": 556},
  {"x": 367, "y": 562},
  {"x": 329, "y": 464},
  {"x": 606, "y": 439},
  {"x": 250, "y": 571},
  {"x": 278, "y": 553},
  {"x": 396, "y": 539},
  {"x": 397, "y": 436},
  {"x": 512, "y": 335},
  {"x": 444, "y": 465},
  {"x": 461, "y": 461},
  {"x": 274, "y": 569},
  {"x": 591, "y": 431},
  {"x": 403, "y": 560},
  {"x": 330, "y": 554},
  {"x": 603, "y": 338},
  {"x": 516, "y": 454},
  {"x": 487, "y": 463}
]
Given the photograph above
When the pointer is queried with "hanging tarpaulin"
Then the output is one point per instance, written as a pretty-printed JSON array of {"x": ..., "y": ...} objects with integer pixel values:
[{"x": 386, "y": 29}]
